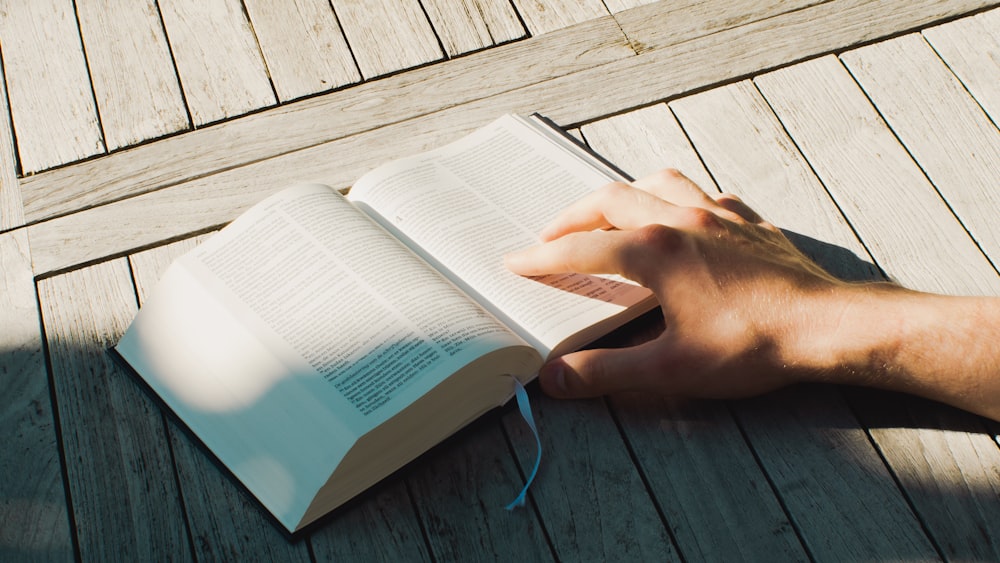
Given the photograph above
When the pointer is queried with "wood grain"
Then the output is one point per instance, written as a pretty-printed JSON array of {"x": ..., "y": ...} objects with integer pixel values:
[
  {"x": 469, "y": 25},
  {"x": 303, "y": 46},
  {"x": 589, "y": 494},
  {"x": 219, "y": 63},
  {"x": 940, "y": 124},
  {"x": 568, "y": 99},
  {"x": 11, "y": 207},
  {"x": 131, "y": 70},
  {"x": 830, "y": 463},
  {"x": 896, "y": 211},
  {"x": 874, "y": 181},
  {"x": 51, "y": 101},
  {"x": 124, "y": 493},
  {"x": 460, "y": 489},
  {"x": 293, "y": 126},
  {"x": 749, "y": 154},
  {"x": 704, "y": 473},
  {"x": 34, "y": 521},
  {"x": 971, "y": 48},
  {"x": 370, "y": 25},
  {"x": 543, "y": 16}
]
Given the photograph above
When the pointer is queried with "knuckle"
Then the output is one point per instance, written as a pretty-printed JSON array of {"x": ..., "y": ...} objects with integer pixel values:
[
  {"x": 698, "y": 218},
  {"x": 659, "y": 238}
]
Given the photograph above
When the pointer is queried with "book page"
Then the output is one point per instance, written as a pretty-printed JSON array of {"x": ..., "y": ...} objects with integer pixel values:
[
  {"x": 296, "y": 330},
  {"x": 467, "y": 204}
]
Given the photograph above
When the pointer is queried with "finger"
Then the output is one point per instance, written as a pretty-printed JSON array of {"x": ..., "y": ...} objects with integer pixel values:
[
  {"x": 734, "y": 204},
  {"x": 590, "y": 252},
  {"x": 592, "y": 373},
  {"x": 644, "y": 255},
  {"x": 673, "y": 186},
  {"x": 616, "y": 205}
]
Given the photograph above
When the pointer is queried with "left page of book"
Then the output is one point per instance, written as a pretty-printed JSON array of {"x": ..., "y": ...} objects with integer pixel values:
[{"x": 296, "y": 330}]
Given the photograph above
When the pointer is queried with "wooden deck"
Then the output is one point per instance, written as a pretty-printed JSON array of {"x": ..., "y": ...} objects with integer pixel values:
[{"x": 866, "y": 128}]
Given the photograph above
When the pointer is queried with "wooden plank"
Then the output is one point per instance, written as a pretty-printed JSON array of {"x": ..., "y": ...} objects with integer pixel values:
[
  {"x": 380, "y": 525},
  {"x": 51, "y": 101},
  {"x": 942, "y": 127},
  {"x": 643, "y": 141},
  {"x": 135, "y": 85},
  {"x": 346, "y": 112},
  {"x": 34, "y": 522},
  {"x": 868, "y": 173},
  {"x": 470, "y": 25},
  {"x": 303, "y": 46},
  {"x": 589, "y": 494},
  {"x": 834, "y": 465},
  {"x": 655, "y": 25},
  {"x": 748, "y": 153},
  {"x": 225, "y": 521},
  {"x": 217, "y": 57},
  {"x": 616, "y": 6},
  {"x": 11, "y": 207},
  {"x": 568, "y": 99},
  {"x": 125, "y": 500},
  {"x": 717, "y": 498},
  {"x": 949, "y": 464},
  {"x": 368, "y": 24},
  {"x": 543, "y": 16},
  {"x": 885, "y": 196},
  {"x": 460, "y": 489},
  {"x": 596, "y": 90},
  {"x": 971, "y": 47}
]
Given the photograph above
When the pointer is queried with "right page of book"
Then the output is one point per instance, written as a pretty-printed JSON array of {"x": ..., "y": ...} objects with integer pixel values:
[{"x": 465, "y": 205}]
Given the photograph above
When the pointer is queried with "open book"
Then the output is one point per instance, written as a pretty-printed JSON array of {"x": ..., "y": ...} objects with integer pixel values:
[{"x": 320, "y": 342}]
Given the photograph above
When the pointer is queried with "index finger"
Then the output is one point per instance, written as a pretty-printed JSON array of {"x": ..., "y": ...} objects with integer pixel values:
[{"x": 625, "y": 253}]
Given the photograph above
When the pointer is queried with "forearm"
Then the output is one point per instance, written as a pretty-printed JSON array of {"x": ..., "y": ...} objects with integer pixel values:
[{"x": 940, "y": 347}]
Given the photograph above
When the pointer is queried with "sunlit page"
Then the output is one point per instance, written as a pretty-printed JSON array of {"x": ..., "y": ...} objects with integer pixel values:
[{"x": 467, "y": 204}]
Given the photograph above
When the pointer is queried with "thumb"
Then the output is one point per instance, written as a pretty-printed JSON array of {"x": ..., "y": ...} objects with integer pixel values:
[{"x": 591, "y": 373}]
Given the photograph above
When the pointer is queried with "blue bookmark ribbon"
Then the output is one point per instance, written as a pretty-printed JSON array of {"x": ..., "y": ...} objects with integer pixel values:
[{"x": 525, "y": 407}]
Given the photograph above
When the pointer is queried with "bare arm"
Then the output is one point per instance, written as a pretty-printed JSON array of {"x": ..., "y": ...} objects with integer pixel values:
[{"x": 746, "y": 312}]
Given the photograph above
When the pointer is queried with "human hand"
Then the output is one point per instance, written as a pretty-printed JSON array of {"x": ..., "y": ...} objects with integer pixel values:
[{"x": 744, "y": 311}]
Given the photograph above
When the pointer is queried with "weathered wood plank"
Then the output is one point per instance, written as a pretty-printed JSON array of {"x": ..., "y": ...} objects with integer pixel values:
[
  {"x": 303, "y": 46},
  {"x": 226, "y": 522},
  {"x": 971, "y": 47},
  {"x": 745, "y": 148},
  {"x": 217, "y": 57},
  {"x": 946, "y": 132},
  {"x": 543, "y": 16},
  {"x": 51, "y": 101},
  {"x": 346, "y": 112},
  {"x": 34, "y": 522},
  {"x": 615, "y": 6},
  {"x": 948, "y": 462},
  {"x": 460, "y": 489},
  {"x": 589, "y": 494},
  {"x": 11, "y": 207},
  {"x": 832, "y": 463},
  {"x": 470, "y": 25},
  {"x": 133, "y": 75},
  {"x": 568, "y": 99},
  {"x": 643, "y": 141},
  {"x": 710, "y": 485},
  {"x": 655, "y": 25},
  {"x": 897, "y": 213},
  {"x": 380, "y": 525},
  {"x": 367, "y": 26},
  {"x": 868, "y": 173},
  {"x": 125, "y": 500}
]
